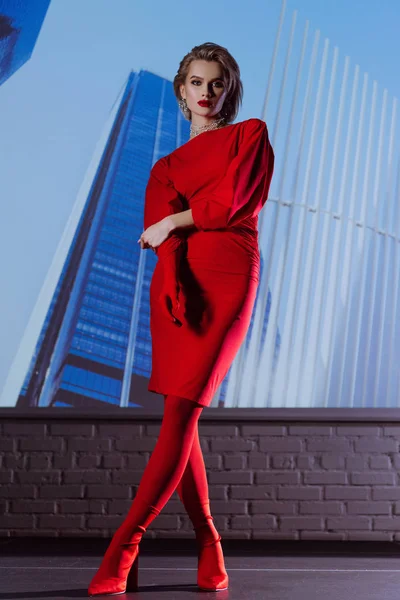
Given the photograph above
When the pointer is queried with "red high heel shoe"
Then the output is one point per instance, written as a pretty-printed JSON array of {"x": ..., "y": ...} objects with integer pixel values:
[
  {"x": 118, "y": 572},
  {"x": 211, "y": 573}
]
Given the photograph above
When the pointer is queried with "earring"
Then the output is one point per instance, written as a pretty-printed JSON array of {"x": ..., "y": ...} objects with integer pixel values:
[{"x": 183, "y": 105}]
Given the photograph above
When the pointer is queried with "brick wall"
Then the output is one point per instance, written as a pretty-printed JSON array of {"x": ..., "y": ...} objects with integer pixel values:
[{"x": 272, "y": 479}]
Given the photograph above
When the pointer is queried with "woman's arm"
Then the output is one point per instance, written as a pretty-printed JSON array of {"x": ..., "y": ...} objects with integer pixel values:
[
  {"x": 180, "y": 219},
  {"x": 158, "y": 233}
]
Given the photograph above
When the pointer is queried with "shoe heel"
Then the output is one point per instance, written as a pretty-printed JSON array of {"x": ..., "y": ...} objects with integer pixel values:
[
  {"x": 211, "y": 573},
  {"x": 107, "y": 583},
  {"x": 132, "y": 581}
]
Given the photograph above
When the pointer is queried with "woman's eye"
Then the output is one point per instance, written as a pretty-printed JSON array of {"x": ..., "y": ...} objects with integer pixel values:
[{"x": 217, "y": 82}]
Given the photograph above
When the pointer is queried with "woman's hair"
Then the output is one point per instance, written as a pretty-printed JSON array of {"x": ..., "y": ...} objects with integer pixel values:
[{"x": 230, "y": 73}]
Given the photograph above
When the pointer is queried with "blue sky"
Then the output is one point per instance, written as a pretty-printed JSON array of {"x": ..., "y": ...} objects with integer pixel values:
[{"x": 52, "y": 111}]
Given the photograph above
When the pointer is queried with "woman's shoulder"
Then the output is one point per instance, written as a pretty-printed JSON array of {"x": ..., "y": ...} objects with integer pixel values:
[
  {"x": 160, "y": 165},
  {"x": 254, "y": 124},
  {"x": 160, "y": 170}
]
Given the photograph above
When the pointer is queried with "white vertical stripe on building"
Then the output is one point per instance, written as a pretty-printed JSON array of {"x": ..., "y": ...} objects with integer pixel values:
[
  {"x": 354, "y": 318},
  {"x": 372, "y": 291},
  {"x": 392, "y": 388},
  {"x": 308, "y": 245},
  {"x": 328, "y": 263},
  {"x": 335, "y": 300},
  {"x": 316, "y": 260},
  {"x": 383, "y": 292}
]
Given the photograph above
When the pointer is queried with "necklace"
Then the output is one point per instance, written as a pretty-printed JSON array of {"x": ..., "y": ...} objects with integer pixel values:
[{"x": 195, "y": 130}]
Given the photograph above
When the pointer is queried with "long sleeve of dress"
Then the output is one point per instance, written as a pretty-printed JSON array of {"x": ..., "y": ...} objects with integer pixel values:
[
  {"x": 243, "y": 189},
  {"x": 161, "y": 200}
]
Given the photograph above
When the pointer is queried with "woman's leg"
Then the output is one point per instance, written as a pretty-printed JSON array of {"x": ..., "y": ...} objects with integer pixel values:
[
  {"x": 160, "y": 478},
  {"x": 168, "y": 459},
  {"x": 193, "y": 492}
]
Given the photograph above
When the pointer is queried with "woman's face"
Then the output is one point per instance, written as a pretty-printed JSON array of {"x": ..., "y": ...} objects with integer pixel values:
[{"x": 204, "y": 81}]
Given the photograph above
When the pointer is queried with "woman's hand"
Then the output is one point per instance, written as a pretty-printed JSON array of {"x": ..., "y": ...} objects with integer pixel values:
[{"x": 156, "y": 234}]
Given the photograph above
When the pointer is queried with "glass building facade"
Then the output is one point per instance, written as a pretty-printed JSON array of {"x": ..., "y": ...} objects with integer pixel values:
[
  {"x": 20, "y": 24},
  {"x": 95, "y": 346}
]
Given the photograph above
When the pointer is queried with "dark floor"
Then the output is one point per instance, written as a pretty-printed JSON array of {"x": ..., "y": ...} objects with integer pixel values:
[{"x": 63, "y": 568}]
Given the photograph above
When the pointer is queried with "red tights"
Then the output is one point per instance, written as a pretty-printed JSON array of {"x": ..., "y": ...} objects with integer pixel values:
[
  {"x": 168, "y": 460},
  {"x": 193, "y": 492},
  {"x": 176, "y": 463}
]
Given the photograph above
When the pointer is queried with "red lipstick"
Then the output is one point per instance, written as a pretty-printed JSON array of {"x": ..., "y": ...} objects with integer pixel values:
[{"x": 204, "y": 103}]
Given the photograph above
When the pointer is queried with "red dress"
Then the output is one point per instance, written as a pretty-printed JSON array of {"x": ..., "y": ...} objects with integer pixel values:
[{"x": 223, "y": 175}]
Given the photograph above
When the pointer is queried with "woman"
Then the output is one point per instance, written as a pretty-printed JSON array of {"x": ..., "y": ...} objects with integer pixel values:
[{"x": 201, "y": 213}]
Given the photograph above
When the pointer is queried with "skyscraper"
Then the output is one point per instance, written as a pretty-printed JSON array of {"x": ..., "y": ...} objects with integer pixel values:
[
  {"x": 96, "y": 335},
  {"x": 20, "y": 24}
]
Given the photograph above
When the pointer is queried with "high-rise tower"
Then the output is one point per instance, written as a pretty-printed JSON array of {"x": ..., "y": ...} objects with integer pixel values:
[{"x": 20, "y": 24}]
